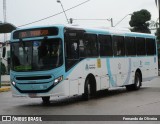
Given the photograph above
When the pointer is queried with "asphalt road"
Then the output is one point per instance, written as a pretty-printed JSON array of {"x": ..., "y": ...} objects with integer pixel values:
[{"x": 145, "y": 101}]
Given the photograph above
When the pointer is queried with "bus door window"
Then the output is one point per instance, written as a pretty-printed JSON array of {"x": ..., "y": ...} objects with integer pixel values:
[
  {"x": 73, "y": 47},
  {"x": 82, "y": 49},
  {"x": 72, "y": 53},
  {"x": 74, "y": 50}
]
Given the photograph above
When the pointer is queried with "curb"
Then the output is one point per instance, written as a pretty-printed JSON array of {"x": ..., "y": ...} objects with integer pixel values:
[
  {"x": 5, "y": 89},
  {"x": 5, "y": 84}
]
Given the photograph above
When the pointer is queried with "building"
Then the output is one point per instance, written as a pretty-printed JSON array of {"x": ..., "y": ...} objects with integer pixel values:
[
  {"x": 6, "y": 28},
  {"x": 7, "y": 56}
]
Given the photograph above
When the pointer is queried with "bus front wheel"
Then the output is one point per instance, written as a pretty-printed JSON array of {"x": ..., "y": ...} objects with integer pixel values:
[
  {"x": 46, "y": 99},
  {"x": 87, "y": 90}
]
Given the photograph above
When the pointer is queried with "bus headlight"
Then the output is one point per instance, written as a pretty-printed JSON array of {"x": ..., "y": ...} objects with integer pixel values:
[
  {"x": 57, "y": 80},
  {"x": 14, "y": 83}
]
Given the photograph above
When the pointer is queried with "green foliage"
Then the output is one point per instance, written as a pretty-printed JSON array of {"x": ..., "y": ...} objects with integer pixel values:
[
  {"x": 3, "y": 69},
  {"x": 139, "y": 21},
  {"x": 158, "y": 44},
  {"x": 158, "y": 34}
]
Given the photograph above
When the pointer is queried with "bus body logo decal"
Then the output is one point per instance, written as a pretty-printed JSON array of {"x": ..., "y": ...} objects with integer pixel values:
[
  {"x": 87, "y": 67},
  {"x": 98, "y": 63}
]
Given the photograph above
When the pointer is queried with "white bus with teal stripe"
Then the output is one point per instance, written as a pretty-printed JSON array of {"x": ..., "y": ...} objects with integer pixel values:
[{"x": 66, "y": 60}]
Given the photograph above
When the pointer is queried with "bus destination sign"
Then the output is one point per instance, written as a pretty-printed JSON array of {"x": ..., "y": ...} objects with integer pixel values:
[
  {"x": 34, "y": 33},
  {"x": 30, "y": 33}
]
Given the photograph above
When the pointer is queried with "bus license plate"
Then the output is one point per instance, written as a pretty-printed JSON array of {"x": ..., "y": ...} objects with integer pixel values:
[{"x": 32, "y": 95}]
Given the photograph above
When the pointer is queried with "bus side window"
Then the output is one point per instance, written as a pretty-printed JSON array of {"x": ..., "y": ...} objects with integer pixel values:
[
  {"x": 105, "y": 45},
  {"x": 130, "y": 46},
  {"x": 118, "y": 45},
  {"x": 150, "y": 46},
  {"x": 140, "y": 45},
  {"x": 91, "y": 45}
]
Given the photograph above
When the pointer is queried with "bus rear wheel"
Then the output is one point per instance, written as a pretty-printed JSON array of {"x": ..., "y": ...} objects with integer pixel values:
[
  {"x": 137, "y": 83},
  {"x": 46, "y": 99}
]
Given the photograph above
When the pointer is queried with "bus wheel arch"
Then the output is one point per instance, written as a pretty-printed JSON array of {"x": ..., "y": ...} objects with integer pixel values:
[
  {"x": 46, "y": 99},
  {"x": 89, "y": 87}
]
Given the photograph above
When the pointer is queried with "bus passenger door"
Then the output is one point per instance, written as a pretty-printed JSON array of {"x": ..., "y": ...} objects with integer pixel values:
[{"x": 72, "y": 58}]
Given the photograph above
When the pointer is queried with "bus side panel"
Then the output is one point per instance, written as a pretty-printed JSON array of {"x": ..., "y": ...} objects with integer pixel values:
[
  {"x": 76, "y": 86},
  {"x": 153, "y": 66},
  {"x": 150, "y": 69},
  {"x": 76, "y": 76},
  {"x": 81, "y": 83},
  {"x": 128, "y": 72},
  {"x": 79, "y": 73},
  {"x": 118, "y": 70},
  {"x": 104, "y": 77},
  {"x": 147, "y": 65},
  {"x": 73, "y": 87}
]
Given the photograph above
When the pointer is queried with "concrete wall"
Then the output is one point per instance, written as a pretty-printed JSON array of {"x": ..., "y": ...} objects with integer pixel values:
[{"x": 5, "y": 78}]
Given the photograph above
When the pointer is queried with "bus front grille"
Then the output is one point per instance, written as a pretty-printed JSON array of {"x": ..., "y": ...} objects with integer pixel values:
[{"x": 34, "y": 78}]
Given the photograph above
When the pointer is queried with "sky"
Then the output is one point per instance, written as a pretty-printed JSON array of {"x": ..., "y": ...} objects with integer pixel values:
[{"x": 21, "y": 12}]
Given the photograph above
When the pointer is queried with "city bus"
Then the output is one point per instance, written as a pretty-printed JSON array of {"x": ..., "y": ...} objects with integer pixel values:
[{"x": 62, "y": 60}]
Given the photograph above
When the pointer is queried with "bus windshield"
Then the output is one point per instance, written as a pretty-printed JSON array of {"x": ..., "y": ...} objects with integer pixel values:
[{"x": 36, "y": 55}]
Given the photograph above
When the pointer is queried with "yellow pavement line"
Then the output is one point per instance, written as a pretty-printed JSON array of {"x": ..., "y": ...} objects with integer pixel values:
[{"x": 5, "y": 89}]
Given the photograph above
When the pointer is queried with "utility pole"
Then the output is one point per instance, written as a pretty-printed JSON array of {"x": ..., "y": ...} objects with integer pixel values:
[
  {"x": 111, "y": 22},
  {"x": 58, "y": 1},
  {"x": 4, "y": 17},
  {"x": 159, "y": 11},
  {"x": 158, "y": 6},
  {"x": 4, "y": 10}
]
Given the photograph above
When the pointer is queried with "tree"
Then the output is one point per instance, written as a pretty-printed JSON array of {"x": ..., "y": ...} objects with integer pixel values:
[
  {"x": 158, "y": 34},
  {"x": 139, "y": 21},
  {"x": 3, "y": 68},
  {"x": 158, "y": 45}
]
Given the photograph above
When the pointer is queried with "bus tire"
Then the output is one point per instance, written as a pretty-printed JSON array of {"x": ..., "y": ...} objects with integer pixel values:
[
  {"x": 87, "y": 90},
  {"x": 137, "y": 83},
  {"x": 46, "y": 100}
]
